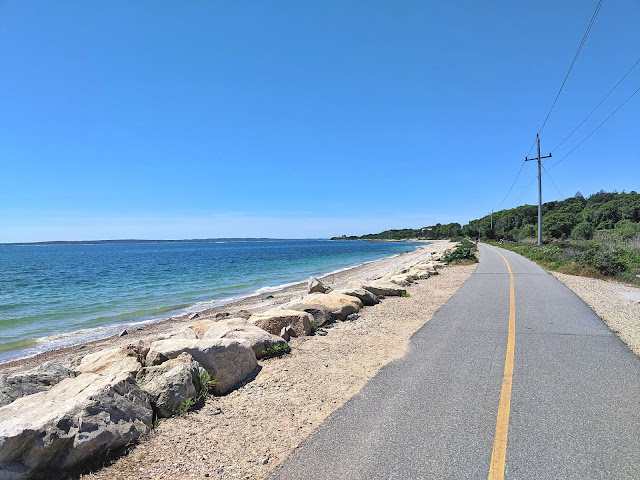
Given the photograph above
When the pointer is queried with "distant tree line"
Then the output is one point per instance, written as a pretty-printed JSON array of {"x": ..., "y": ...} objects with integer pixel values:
[
  {"x": 434, "y": 232},
  {"x": 576, "y": 218}
]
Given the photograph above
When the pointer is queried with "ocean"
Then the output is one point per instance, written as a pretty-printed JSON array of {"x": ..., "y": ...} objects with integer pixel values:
[{"x": 53, "y": 296}]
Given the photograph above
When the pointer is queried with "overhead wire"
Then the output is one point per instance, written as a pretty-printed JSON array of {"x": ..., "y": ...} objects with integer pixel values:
[
  {"x": 511, "y": 188},
  {"x": 524, "y": 192},
  {"x": 575, "y": 57},
  {"x": 554, "y": 183},
  {"x": 596, "y": 107},
  {"x": 595, "y": 129}
]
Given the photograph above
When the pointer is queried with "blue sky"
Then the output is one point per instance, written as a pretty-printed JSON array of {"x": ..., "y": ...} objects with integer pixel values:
[{"x": 188, "y": 119}]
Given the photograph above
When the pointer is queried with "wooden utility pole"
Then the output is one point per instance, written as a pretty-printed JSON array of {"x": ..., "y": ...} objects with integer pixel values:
[{"x": 539, "y": 187}]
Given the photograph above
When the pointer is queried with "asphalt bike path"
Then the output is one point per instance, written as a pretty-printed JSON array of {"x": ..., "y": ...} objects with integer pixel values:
[{"x": 514, "y": 377}]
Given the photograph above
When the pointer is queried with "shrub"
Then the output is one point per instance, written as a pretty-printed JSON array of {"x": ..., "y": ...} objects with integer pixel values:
[
  {"x": 464, "y": 251},
  {"x": 582, "y": 231}
]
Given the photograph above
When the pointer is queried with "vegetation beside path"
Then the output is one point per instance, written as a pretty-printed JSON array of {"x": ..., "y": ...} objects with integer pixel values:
[{"x": 597, "y": 259}]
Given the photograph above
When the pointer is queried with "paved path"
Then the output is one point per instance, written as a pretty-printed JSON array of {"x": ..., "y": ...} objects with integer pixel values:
[{"x": 573, "y": 409}]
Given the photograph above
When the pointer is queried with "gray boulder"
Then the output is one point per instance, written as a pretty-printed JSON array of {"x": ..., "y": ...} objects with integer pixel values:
[
  {"x": 338, "y": 304},
  {"x": 273, "y": 321},
  {"x": 316, "y": 286},
  {"x": 320, "y": 313},
  {"x": 113, "y": 360},
  {"x": 229, "y": 361},
  {"x": 366, "y": 297},
  {"x": 171, "y": 383},
  {"x": 260, "y": 340},
  {"x": 39, "y": 379},
  {"x": 80, "y": 417},
  {"x": 401, "y": 279},
  {"x": 382, "y": 287}
]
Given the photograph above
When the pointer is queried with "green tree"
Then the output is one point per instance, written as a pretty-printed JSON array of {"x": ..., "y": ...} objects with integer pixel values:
[{"x": 582, "y": 231}]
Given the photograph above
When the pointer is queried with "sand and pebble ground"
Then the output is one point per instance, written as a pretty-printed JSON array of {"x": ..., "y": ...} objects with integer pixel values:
[{"x": 619, "y": 313}]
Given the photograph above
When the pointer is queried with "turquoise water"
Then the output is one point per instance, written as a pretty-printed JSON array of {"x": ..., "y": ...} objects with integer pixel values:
[{"x": 53, "y": 296}]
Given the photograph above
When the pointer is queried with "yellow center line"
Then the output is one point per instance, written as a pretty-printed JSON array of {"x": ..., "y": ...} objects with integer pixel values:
[{"x": 499, "y": 452}]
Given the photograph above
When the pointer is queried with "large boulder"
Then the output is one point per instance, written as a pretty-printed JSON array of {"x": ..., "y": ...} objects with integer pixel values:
[
  {"x": 185, "y": 332},
  {"x": 260, "y": 340},
  {"x": 112, "y": 360},
  {"x": 421, "y": 272},
  {"x": 320, "y": 313},
  {"x": 273, "y": 321},
  {"x": 383, "y": 287},
  {"x": 201, "y": 327},
  {"x": 316, "y": 286},
  {"x": 171, "y": 383},
  {"x": 366, "y": 297},
  {"x": 79, "y": 418},
  {"x": 341, "y": 306},
  {"x": 402, "y": 279},
  {"x": 228, "y": 361},
  {"x": 39, "y": 379}
]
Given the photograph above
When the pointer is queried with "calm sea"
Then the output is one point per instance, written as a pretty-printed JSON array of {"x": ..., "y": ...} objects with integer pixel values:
[{"x": 53, "y": 296}]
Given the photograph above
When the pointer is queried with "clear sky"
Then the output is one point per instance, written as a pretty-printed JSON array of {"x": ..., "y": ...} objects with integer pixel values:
[{"x": 289, "y": 119}]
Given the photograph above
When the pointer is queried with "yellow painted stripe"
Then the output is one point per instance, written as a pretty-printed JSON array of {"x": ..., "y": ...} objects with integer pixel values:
[{"x": 499, "y": 453}]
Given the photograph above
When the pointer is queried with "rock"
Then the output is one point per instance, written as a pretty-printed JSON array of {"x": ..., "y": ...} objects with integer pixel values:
[
  {"x": 39, "y": 379},
  {"x": 366, "y": 297},
  {"x": 201, "y": 327},
  {"x": 320, "y": 313},
  {"x": 316, "y": 286},
  {"x": 260, "y": 340},
  {"x": 402, "y": 279},
  {"x": 222, "y": 315},
  {"x": 123, "y": 333},
  {"x": 421, "y": 273},
  {"x": 381, "y": 287},
  {"x": 267, "y": 297},
  {"x": 338, "y": 304},
  {"x": 113, "y": 360},
  {"x": 193, "y": 316},
  {"x": 274, "y": 320},
  {"x": 171, "y": 383},
  {"x": 79, "y": 418},
  {"x": 287, "y": 333},
  {"x": 185, "y": 332},
  {"x": 243, "y": 314},
  {"x": 352, "y": 318},
  {"x": 229, "y": 361}
]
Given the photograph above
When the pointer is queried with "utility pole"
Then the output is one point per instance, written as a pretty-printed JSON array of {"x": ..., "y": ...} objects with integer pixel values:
[{"x": 539, "y": 187}]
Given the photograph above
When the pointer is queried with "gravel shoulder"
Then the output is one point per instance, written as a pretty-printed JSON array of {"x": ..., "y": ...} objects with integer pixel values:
[
  {"x": 246, "y": 433},
  {"x": 620, "y": 314}
]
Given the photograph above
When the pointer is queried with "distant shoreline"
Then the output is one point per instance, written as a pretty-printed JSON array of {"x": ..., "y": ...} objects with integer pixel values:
[{"x": 129, "y": 241}]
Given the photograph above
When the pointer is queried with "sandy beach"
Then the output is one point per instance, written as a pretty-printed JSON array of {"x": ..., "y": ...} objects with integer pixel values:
[{"x": 253, "y": 304}]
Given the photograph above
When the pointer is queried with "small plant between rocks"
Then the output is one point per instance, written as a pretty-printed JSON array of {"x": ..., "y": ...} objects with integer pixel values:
[
  {"x": 206, "y": 383},
  {"x": 277, "y": 350}
]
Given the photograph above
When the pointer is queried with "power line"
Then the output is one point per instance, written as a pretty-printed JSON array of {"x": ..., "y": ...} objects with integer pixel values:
[
  {"x": 524, "y": 192},
  {"x": 511, "y": 188},
  {"x": 554, "y": 183},
  {"x": 595, "y": 129},
  {"x": 582, "y": 42},
  {"x": 596, "y": 107}
]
